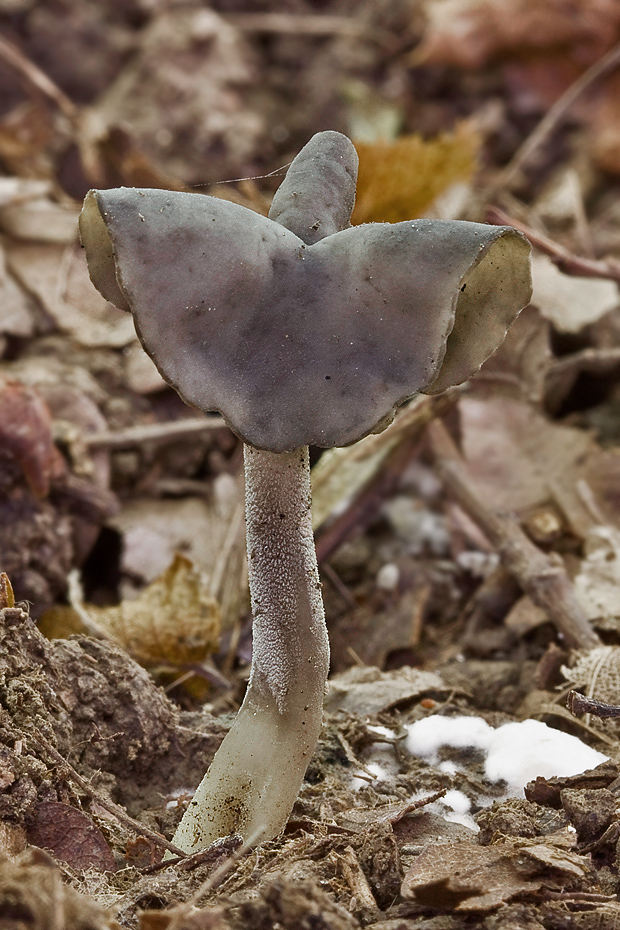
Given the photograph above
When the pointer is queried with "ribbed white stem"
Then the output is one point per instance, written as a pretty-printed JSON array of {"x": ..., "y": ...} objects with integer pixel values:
[{"x": 256, "y": 774}]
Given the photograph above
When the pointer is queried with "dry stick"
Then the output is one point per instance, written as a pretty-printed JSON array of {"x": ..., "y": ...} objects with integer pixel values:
[
  {"x": 153, "y": 432},
  {"x": 545, "y": 582},
  {"x": 339, "y": 586},
  {"x": 367, "y": 503},
  {"x": 355, "y": 878},
  {"x": 596, "y": 360},
  {"x": 12, "y": 55},
  {"x": 215, "y": 879},
  {"x": 296, "y": 24},
  {"x": 579, "y": 704},
  {"x": 554, "y": 116},
  {"x": 566, "y": 261},
  {"x": 109, "y": 806}
]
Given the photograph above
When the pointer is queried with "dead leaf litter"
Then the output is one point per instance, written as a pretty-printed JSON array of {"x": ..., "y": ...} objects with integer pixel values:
[{"x": 451, "y": 787}]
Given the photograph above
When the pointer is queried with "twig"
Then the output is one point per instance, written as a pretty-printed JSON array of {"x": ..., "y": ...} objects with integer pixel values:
[
  {"x": 555, "y": 114},
  {"x": 215, "y": 879},
  {"x": 338, "y": 585},
  {"x": 352, "y": 758},
  {"x": 232, "y": 535},
  {"x": 107, "y": 805},
  {"x": 153, "y": 432},
  {"x": 566, "y": 261},
  {"x": 579, "y": 704},
  {"x": 365, "y": 506},
  {"x": 14, "y": 57},
  {"x": 355, "y": 878},
  {"x": 596, "y": 360},
  {"x": 295, "y": 24},
  {"x": 544, "y": 581}
]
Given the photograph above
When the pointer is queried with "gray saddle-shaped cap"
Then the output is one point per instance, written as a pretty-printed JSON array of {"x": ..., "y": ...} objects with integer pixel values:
[{"x": 310, "y": 332}]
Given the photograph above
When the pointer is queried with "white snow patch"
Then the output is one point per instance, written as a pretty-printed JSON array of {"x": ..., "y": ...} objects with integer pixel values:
[
  {"x": 361, "y": 780},
  {"x": 457, "y": 809},
  {"x": 382, "y": 731},
  {"x": 521, "y": 752},
  {"x": 426, "y": 737},
  {"x": 457, "y": 801},
  {"x": 450, "y": 768},
  {"x": 515, "y": 752}
]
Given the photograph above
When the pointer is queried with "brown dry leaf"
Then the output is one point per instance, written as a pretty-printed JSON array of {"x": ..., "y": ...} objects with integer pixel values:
[
  {"x": 568, "y": 301},
  {"x": 187, "y": 918},
  {"x": 28, "y": 133},
  {"x": 20, "y": 190},
  {"x": 520, "y": 460},
  {"x": 141, "y": 374},
  {"x": 173, "y": 620},
  {"x": 468, "y": 877},
  {"x": 524, "y": 356},
  {"x": 378, "y": 629},
  {"x": 596, "y": 673},
  {"x": 210, "y": 532},
  {"x": 597, "y": 583},
  {"x": 17, "y": 317},
  {"x": 28, "y": 212},
  {"x": 543, "y": 47},
  {"x": 26, "y": 435},
  {"x": 556, "y": 852},
  {"x": 366, "y": 690},
  {"x": 341, "y": 472},
  {"x": 400, "y": 180},
  {"x": 467, "y": 33},
  {"x": 40, "y": 220},
  {"x": 186, "y": 82},
  {"x": 32, "y": 885},
  {"x": 58, "y": 277},
  {"x": 71, "y": 836},
  {"x": 525, "y": 616}
]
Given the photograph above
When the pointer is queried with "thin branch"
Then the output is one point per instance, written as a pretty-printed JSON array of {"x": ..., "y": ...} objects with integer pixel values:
[
  {"x": 153, "y": 432},
  {"x": 216, "y": 878},
  {"x": 295, "y": 24},
  {"x": 36, "y": 78},
  {"x": 544, "y": 580},
  {"x": 366, "y": 504},
  {"x": 579, "y": 704},
  {"x": 566, "y": 261},
  {"x": 107, "y": 805},
  {"x": 555, "y": 115},
  {"x": 595, "y": 360}
]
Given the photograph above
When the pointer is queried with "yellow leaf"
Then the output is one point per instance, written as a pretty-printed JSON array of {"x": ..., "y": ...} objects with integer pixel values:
[
  {"x": 174, "y": 619},
  {"x": 7, "y": 598},
  {"x": 399, "y": 180}
]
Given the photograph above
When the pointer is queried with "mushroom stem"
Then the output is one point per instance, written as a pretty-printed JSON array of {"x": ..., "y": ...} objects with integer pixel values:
[{"x": 256, "y": 774}]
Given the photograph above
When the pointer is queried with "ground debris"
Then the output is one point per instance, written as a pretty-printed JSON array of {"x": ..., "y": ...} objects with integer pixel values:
[
  {"x": 108, "y": 480},
  {"x": 32, "y": 892},
  {"x": 70, "y": 836},
  {"x": 479, "y": 878}
]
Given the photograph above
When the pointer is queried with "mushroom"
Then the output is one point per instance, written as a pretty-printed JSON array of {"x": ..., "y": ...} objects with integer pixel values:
[{"x": 301, "y": 330}]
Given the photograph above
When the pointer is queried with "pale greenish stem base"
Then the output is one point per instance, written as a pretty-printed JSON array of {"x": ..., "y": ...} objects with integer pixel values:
[{"x": 256, "y": 774}]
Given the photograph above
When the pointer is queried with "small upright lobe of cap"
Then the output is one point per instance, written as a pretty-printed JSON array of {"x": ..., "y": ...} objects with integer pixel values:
[{"x": 317, "y": 196}]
